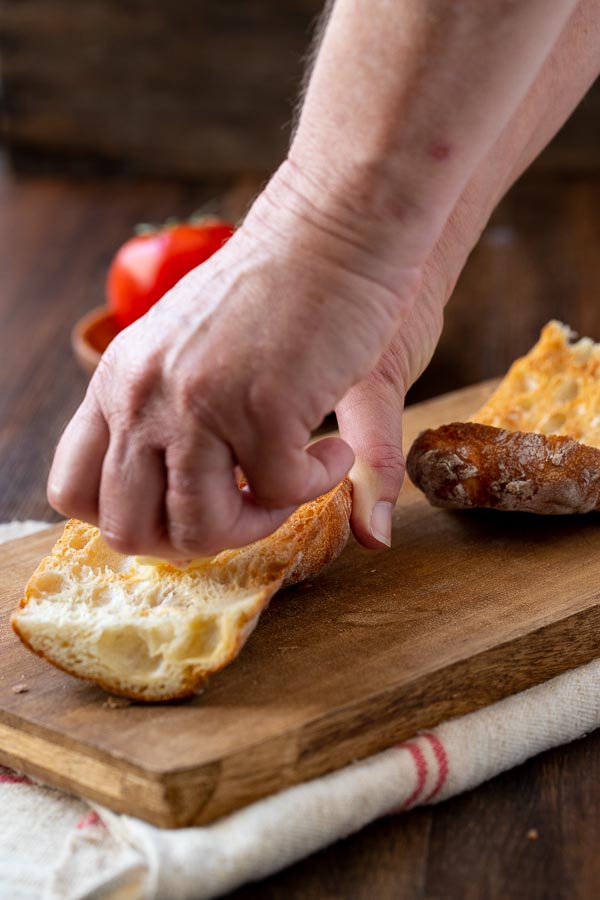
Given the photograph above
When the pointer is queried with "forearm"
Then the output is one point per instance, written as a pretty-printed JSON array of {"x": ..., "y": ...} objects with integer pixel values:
[
  {"x": 567, "y": 73},
  {"x": 404, "y": 102}
]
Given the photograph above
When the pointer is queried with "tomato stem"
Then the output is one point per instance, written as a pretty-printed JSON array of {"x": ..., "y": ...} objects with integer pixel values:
[
  {"x": 144, "y": 228},
  {"x": 199, "y": 217}
]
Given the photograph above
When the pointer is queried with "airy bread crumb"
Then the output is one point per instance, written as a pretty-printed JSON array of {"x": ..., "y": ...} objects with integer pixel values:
[
  {"x": 554, "y": 389},
  {"x": 155, "y": 631}
]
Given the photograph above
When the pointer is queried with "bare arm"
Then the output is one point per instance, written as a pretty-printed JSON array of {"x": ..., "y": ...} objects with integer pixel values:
[
  {"x": 568, "y": 71},
  {"x": 330, "y": 293},
  {"x": 405, "y": 101},
  {"x": 371, "y": 413}
]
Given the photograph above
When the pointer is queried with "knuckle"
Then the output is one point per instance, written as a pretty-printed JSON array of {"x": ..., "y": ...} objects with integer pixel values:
[
  {"x": 184, "y": 483},
  {"x": 188, "y": 479},
  {"x": 260, "y": 397},
  {"x": 189, "y": 391},
  {"x": 132, "y": 407},
  {"x": 70, "y": 500},
  {"x": 125, "y": 393},
  {"x": 385, "y": 456},
  {"x": 192, "y": 389},
  {"x": 201, "y": 402},
  {"x": 64, "y": 499}
]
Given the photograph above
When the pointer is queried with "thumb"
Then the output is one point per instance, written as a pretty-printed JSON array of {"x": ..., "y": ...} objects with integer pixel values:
[{"x": 370, "y": 421}]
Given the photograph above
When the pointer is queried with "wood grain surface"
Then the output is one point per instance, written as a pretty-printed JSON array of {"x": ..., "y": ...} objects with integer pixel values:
[
  {"x": 537, "y": 259},
  {"x": 170, "y": 88},
  {"x": 464, "y": 610}
]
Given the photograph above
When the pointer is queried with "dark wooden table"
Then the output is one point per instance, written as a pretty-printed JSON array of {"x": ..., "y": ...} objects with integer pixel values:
[{"x": 539, "y": 258}]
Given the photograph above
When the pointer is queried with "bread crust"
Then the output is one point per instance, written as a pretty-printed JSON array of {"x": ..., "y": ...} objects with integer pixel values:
[
  {"x": 311, "y": 538},
  {"x": 189, "y": 686},
  {"x": 326, "y": 533},
  {"x": 465, "y": 464}
]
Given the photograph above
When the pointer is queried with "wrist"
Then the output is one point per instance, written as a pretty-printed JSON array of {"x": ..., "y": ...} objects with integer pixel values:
[
  {"x": 336, "y": 218},
  {"x": 327, "y": 255}
]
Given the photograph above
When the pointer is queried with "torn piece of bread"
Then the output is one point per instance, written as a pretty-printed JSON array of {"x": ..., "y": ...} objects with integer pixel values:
[
  {"x": 554, "y": 389},
  {"x": 534, "y": 446},
  {"x": 155, "y": 632}
]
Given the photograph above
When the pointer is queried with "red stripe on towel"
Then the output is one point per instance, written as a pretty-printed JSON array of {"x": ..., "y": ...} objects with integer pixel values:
[
  {"x": 443, "y": 767},
  {"x": 91, "y": 818},
  {"x": 421, "y": 769},
  {"x": 7, "y": 777}
]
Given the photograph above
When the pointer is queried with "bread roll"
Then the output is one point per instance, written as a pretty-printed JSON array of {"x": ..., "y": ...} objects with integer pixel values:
[
  {"x": 464, "y": 465},
  {"x": 533, "y": 446}
]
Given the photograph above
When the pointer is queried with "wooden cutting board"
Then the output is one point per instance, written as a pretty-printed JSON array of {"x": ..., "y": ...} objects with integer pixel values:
[{"x": 466, "y": 609}]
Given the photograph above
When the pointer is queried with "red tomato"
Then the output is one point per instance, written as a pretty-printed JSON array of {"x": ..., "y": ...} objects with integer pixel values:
[{"x": 148, "y": 265}]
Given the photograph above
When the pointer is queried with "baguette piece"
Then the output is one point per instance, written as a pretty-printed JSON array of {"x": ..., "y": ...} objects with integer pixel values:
[
  {"x": 534, "y": 446},
  {"x": 154, "y": 631}
]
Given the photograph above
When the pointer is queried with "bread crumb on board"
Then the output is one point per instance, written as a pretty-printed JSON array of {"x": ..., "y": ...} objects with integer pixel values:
[
  {"x": 117, "y": 702},
  {"x": 20, "y": 688},
  {"x": 533, "y": 834}
]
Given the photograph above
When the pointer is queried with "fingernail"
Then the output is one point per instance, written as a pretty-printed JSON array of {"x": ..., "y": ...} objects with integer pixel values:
[{"x": 381, "y": 522}]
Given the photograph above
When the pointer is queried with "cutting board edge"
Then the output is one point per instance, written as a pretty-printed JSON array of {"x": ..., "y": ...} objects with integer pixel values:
[
  {"x": 165, "y": 792},
  {"x": 541, "y": 669}
]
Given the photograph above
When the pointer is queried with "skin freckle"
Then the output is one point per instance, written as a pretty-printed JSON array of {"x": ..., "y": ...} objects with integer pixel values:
[{"x": 440, "y": 151}]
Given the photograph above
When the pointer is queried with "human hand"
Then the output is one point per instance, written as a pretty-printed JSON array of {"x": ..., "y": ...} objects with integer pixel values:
[
  {"x": 232, "y": 370},
  {"x": 224, "y": 373},
  {"x": 370, "y": 413}
]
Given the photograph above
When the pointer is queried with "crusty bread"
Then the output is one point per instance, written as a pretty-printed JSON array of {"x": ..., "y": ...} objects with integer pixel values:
[
  {"x": 533, "y": 446},
  {"x": 554, "y": 389},
  {"x": 464, "y": 465},
  {"x": 155, "y": 631}
]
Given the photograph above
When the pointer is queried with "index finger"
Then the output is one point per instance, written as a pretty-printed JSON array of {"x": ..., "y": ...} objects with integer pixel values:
[{"x": 74, "y": 479}]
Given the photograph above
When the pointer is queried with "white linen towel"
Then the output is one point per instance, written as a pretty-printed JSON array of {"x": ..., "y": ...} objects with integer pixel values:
[{"x": 60, "y": 848}]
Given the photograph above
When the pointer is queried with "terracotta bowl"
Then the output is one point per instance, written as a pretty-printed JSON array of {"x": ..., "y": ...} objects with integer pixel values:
[{"x": 91, "y": 336}]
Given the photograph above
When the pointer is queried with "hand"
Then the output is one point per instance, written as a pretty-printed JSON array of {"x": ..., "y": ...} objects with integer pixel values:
[
  {"x": 232, "y": 370},
  {"x": 308, "y": 306},
  {"x": 370, "y": 414}
]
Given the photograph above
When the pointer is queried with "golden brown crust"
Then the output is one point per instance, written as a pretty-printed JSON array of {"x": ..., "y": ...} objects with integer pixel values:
[
  {"x": 327, "y": 530},
  {"x": 466, "y": 464},
  {"x": 554, "y": 389}
]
